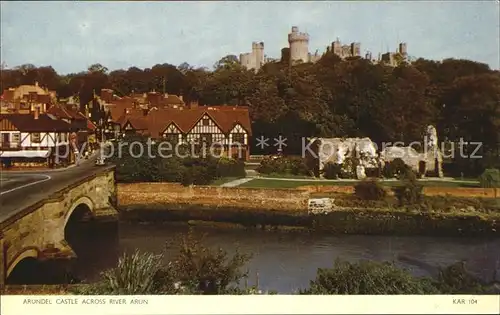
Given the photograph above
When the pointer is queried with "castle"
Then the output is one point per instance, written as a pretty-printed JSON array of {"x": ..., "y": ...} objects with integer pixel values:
[{"x": 298, "y": 52}]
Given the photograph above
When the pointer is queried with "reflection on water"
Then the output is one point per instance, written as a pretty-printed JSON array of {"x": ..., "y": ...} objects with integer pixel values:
[{"x": 285, "y": 261}]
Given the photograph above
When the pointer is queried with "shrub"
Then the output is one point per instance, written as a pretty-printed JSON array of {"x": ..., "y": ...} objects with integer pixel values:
[
  {"x": 454, "y": 279},
  {"x": 370, "y": 190},
  {"x": 283, "y": 165},
  {"x": 135, "y": 274},
  {"x": 394, "y": 168},
  {"x": 410, "y": 191},
  {"x": 367, "y": 277},
  {"x": 170, "y": 169},
  {"x": 202, "y": 270},
  {"x": 332, "y": 170},
  {"x": 297, "y": 166},
  {"x": 490, "y": 179},
  {"x": 230, "y": 168}
]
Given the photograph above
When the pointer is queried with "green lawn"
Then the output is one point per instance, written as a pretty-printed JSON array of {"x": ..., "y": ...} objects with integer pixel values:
[{"x": 270, "y": 183}]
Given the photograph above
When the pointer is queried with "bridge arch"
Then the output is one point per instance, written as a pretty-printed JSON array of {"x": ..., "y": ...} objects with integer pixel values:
[
  {"x": 28, "y": 252},
  {"x": 79, "y": 202}
]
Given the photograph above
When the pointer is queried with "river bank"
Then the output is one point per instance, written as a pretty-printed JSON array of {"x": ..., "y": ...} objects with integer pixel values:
[
  {"x": 286, "y": 209},
  {"x": 280, "y": 261}
]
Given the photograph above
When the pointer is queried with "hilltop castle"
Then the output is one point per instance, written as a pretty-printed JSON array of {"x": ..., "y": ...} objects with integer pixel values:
[{"x": 298, "y": 52}]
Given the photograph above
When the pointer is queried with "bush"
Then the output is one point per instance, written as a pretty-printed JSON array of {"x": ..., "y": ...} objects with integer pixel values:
[
  {"x": 332, "y": 170},
  {"x": 370, "y": 190},
  {"x": 490, "y": 179},
  {"x": 367, "y": 277},
  {"x": 410, "y": 192},
  {"x": 200, "y": 270},
  {"x": 230, "y": 168},
  {"x": 284, "y": 166},
  {"x": 394, "y": 168},
  {"x": 134, "y": 275},
  {"x": 455, "y": 279},
  {"x": 170, "y": 170}
]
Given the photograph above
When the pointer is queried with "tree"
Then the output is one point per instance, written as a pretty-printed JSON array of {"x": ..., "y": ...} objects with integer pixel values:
[
  {"x": 228, "y": 62},
  {"x": 97, "y": 67}
]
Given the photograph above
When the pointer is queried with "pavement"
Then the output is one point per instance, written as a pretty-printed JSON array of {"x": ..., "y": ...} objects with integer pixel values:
[
  {"x": 252, "y": 174},
  {"x": 236, "y": 182},
  {"x": 21, "y": 189}
]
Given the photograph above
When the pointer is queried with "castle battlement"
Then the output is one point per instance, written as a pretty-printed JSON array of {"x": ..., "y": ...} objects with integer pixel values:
[
  {"x": 299, "y": 52},
  {"x": 257, "y": 45},
  {"x": 296, "y": 36}
]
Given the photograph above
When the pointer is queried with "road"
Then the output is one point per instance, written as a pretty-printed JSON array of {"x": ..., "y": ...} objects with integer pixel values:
[{"x": 21, "y": 189}]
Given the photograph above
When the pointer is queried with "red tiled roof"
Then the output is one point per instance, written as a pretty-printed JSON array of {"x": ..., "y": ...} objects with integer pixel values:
[
  {"x": 65, "y": 113},
  {"x": 158, "y": 120},
  {"x": 8, "y": 95},
  {"x": 90, "y": 125},
  {"x": 44, "y": 123}
]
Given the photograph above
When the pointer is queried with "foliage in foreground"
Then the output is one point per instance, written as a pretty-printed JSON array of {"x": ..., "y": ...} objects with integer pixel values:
[
  {"x": 369, "y": 277},
  {"x": 197, "y": 269}
]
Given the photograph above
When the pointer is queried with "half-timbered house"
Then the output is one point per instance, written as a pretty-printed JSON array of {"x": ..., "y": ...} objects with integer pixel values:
[
  {"x": 225, "y": 129},
  {"x": 34, "y": 140}
]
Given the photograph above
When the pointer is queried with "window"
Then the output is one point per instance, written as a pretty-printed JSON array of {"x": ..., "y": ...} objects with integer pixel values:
[
  {"x": 5, "y": 139},
  {"x": 16, "y": 138},
  {"x": 239, "y": 138},
  {"x": 206, "y": 122},
  {"x": 35, "y": 137}
]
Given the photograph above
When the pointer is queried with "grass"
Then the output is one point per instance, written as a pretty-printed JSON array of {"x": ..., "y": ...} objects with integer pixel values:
[{"x": 270, "y": 183}]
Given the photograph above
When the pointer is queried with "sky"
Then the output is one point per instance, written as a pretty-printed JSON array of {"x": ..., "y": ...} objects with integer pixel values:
[{"x": 70, "y": 36}]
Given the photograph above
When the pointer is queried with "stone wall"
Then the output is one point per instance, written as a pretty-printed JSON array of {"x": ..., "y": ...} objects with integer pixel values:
[
  {"x": 164, "y": 193},
  {"x": 294, "y": 199},
  {"x": 428, "y": 191}
]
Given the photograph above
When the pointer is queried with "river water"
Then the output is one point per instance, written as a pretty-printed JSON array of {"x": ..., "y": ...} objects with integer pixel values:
[{"x": 282, "y": 261}]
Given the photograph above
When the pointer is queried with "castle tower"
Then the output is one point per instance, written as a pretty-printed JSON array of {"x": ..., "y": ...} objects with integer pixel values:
[
  {"x": 403, "y": 49},
  {"x": 299, "y": 45},
  {"x": 258, "y": 54},
  {"x": 245, "y": 60},
  {"x": 337, "y": 47},
  {"x": 355, "y": 49}
]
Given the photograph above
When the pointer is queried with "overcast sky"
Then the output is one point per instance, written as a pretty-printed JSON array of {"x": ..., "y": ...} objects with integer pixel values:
[{"x": 70, "y": 36}]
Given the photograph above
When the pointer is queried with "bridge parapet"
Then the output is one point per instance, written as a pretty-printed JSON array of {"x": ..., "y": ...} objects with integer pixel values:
[{"x": 39, "y": 230}]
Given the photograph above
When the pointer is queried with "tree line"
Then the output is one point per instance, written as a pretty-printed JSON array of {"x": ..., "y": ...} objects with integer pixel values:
[{"x": 330, "y": 98}]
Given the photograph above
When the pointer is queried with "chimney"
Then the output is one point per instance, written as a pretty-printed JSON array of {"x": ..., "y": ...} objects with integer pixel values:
[
  {"x": 193, "y": 104},
  {"x": 37, "y": 113},
  {"x": 181, "y": 98},
  {"x": 36, "y": 83}
]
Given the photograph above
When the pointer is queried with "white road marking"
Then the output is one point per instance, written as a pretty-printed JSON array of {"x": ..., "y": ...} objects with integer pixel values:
[{"x": 46, "y": 178}]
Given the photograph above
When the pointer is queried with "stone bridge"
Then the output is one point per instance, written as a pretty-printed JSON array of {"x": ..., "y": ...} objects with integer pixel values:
[{"x": 38, "y": 231}]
